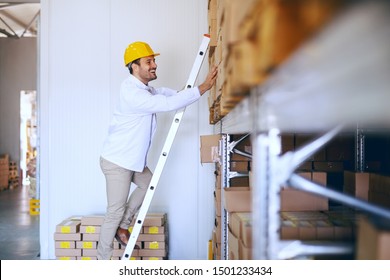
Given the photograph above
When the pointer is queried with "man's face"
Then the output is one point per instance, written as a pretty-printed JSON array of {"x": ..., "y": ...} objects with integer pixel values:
[{"x": 146, "y": 71}]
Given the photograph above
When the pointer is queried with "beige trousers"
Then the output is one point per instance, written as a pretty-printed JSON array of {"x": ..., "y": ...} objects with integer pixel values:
[{"x": 120, "y": 208}]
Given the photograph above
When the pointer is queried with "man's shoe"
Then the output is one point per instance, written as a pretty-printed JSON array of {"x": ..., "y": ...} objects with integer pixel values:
[{"x": 122, "y": 236}]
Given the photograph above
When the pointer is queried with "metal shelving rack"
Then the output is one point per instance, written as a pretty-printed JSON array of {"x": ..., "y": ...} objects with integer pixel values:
[{"x": 338, "y": 81}]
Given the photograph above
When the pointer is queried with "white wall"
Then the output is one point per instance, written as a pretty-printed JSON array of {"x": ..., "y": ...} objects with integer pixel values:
[
  {"x": 82, "y": 45},
  {"x": 18, "y": 71}
]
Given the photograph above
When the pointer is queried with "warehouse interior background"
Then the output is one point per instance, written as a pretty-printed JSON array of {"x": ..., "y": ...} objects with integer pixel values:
[
  {"x": 60, "y": 73},
  {"x": 77, "y": 86}
]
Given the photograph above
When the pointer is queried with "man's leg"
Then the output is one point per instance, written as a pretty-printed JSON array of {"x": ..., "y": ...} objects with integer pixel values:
[
  {"x": 118, "y": 182},
  {"x": 142, "y": 181}
]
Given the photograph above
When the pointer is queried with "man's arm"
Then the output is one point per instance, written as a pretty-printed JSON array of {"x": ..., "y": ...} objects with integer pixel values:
[{"x": 209, "y": 81}]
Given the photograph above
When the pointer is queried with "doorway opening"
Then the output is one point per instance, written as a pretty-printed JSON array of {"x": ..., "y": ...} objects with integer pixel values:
[{"x": 28, "y": 141}]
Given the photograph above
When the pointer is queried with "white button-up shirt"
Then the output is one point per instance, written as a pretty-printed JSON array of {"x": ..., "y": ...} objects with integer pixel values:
[{"x": 134, "y": 121}]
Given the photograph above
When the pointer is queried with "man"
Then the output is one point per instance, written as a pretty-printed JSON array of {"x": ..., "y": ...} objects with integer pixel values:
[{"x": 123, "y": 159}]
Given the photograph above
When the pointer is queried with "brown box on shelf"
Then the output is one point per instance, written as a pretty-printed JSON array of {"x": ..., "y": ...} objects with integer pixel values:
[
  {"x": 306, "y": 166},
  {"x": 237, "y": 199},
  {"x": 297, "y": 200},
  {"x": 324, "y": 230},
  {"x": 239, "y": 181},
  {"x": 306, "y": 230},
  {"x": 373, "y": 240},
  {"x": 357, "y": 184},
  {"x": 209, "y": 148},
  {"x": 289, "y": 230},
  {"x": 218, "y": 207},
  {"x": 240, "y": 166},
  {"x": 218, "y": 232},
  {"x": 245, "y": 251},
  {"x": 328, "y": 166},
  {"x": 303, "y": 139},
  {"x": 240, "y": 224},
  {"x": 340, "y": 149},
  {"x": 234, "y": 246},
  {"x": 288, "y": 142}
]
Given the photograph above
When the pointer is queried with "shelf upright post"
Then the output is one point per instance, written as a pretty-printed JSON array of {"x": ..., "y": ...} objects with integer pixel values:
[
  {"x": 266, "y": 194},
  {"x": 359, "y": 150},
  {"x": 225, "y": 170}
]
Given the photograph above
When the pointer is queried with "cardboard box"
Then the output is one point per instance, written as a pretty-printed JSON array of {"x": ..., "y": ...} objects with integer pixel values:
[
  {"x": 90, "y": 236},
  {"x": 324, "y": 230},
  {"x": 245, "y": 251},
  {"x": 239, "y": 182},
  {"x": 288, "y": 230},
  {"x": 153, "y": 219},
  {"x": 240, "y": 224},
  {"x": 357, "y": 184},
  {"x": 67, "y": 252},
  {"x": 65, "y": 244},
  {"x": 154, "y": 245},
  {"x": 306, "y": 230},
  {"x": 151, "y": 237},
  {"x": 373, "y": 240},
  {"x": 209, "y": 148},
  {"x": 234, "y": 245},
  {"x": 62, "y": 258},
  {"x": 328, "y": 166},
  {"x": 68, "y": 226},
  {"x": 297, "y": 200},
  {"x": 152, "y": 253},
  {"x": 303, "y": 139},
  {"x": 154, "y": 229},
  {"x": 83, "y": 258},
  {"x": 86, "y": 244},
  {"x": 92, "y": 220},
  {"x": 237, "y": 199},
  {"x": 240, "y": 166},
  {"x": 90, "y": 229},
  {"x": 67, "y": 236}
]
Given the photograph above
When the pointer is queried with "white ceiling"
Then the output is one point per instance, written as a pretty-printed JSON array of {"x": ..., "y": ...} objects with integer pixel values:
[{"x": 19, "y": 19}]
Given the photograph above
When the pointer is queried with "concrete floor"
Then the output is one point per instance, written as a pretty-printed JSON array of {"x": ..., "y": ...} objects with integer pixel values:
[{"x": 19, "y": 231}]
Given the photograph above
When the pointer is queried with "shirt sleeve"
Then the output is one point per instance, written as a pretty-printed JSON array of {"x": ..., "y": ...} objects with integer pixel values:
[
  {"x": 165, "y": 91},
  {"x": 141, "y": 101}
]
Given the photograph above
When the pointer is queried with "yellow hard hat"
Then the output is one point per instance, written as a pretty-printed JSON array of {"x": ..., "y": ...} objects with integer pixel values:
[{"x": 137, "y": 50}]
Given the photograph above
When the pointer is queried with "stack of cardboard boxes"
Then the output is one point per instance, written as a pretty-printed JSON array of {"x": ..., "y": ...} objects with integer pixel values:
[
  {"x": 4, "y": 172},
  {"x": 250, "y": 39},
  {"x": 77, "y": 238},
  {"x": 304, "y": 216},
  {"x": 9, "y": 177}
]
